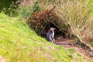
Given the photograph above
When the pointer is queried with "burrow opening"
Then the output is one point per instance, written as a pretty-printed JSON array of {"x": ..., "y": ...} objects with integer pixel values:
[{"x": 57, "y": 32}]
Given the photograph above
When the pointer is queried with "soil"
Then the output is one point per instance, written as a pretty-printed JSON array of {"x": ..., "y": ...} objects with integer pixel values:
[{"x": 68, "y": 43}]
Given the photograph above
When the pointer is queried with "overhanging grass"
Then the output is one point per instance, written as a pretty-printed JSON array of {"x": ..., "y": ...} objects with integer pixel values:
[
  {"x": 9, "y": 7},
  {"x": 19, "y": 43}
]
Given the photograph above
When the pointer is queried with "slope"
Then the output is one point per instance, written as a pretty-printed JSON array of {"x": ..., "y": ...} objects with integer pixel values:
[{"x": 21, "y": 44}]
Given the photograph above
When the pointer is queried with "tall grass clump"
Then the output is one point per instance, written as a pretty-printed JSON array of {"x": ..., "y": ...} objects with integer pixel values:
[
  {"x": 9, "y": 7},
  {"x": 75, "y": 12},
  {"x": 27, "y": 8},
  {"x": 26, "y": 11}
]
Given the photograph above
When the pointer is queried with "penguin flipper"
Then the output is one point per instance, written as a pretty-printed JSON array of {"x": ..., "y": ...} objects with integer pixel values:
[{"x": 50, "y": 38}]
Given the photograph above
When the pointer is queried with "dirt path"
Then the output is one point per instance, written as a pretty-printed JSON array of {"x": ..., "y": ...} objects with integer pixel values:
[{"x": 67, "y": 43}]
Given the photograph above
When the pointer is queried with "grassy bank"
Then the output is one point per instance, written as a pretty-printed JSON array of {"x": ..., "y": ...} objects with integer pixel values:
[{"x": 21, "y": 44}]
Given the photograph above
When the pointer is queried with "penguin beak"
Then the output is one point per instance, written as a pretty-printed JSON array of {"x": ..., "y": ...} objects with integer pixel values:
[{"x": 54, "y": 28}]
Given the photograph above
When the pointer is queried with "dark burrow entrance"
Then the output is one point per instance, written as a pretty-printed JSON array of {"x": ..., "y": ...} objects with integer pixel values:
[{"x": 57, "y": 32}]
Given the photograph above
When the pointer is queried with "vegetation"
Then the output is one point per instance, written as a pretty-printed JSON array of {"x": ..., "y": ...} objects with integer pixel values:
[
  {"x": 9, "y": 7},
  {"x": 19, "y": 43}
]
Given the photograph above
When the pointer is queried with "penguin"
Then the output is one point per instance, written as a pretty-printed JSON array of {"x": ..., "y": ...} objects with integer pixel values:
[{"x": 50, "y": 34}]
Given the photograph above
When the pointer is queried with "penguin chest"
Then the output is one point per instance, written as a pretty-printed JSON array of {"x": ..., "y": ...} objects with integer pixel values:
[{"x": 53, "y": 34}]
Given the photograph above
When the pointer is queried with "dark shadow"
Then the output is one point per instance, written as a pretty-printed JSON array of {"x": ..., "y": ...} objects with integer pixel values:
[{"x": 57, "y": 31}]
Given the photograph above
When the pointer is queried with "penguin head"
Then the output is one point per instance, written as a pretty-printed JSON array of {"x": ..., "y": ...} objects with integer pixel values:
[{"x": 52, "y": 29}]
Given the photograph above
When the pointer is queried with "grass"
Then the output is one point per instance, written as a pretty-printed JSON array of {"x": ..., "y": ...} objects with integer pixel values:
[
  {"x": 9, "y": 7},
  {"x": 18, "y": 43}
]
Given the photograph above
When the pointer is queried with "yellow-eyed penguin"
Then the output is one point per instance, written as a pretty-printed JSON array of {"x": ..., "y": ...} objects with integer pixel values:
[{"x": 50, "y": 34}]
